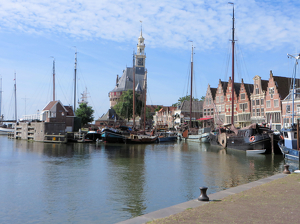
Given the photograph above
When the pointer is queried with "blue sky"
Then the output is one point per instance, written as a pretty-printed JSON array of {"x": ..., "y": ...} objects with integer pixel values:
[{"x": 105, "y": 34}]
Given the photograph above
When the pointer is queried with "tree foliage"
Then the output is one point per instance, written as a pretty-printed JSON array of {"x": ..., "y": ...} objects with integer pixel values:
[
  {"x": 185, "y": 98},
  {"x": 124, "y": 107},
  {"x": 85, "y": 112},
  {"x": 158, "y": 108}
]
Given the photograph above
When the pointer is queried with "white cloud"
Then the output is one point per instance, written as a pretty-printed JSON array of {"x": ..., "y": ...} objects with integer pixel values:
[{"x": 169, "y": 23}]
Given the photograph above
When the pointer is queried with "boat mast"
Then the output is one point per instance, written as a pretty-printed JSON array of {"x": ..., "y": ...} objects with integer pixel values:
[
  {"x": 75, "y": 80},
  {"x": 191, "y": 99},
  {"x": 1, "y": 118},
  {"x": 15, "y": 90},
  {"x": 294, "y": 82},
  {"x": 53, "y": 79},
  {"x": 133, "y": 103},
  {"x": 232, "y": 88}
]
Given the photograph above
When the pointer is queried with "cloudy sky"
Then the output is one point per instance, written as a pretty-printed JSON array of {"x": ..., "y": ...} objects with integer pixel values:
[{"x": 104, "y": 33}]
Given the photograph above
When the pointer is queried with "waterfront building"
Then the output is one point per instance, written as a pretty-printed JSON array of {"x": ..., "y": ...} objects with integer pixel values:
[
  {"x": 182, "y": 114},
  {"x": 219, "y": 101},
  {"x": 125, "y": 82},
  {"x": 228, "y": 101},
  {"x": 244, "y": 105},
  {"x": 165, "y": 116},
  {"x": 209, "y": 107},
  {"x": 278, "y": 89},
  {"x": 258, "y": 100}
]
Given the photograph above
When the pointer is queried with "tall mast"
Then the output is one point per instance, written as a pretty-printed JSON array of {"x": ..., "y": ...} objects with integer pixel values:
[
  {"x": 232, "y": 88},
  {"x": 133, "y": 74},
  {"x": 53, "y": 79},
  {"x": 15, "y": 90},
  {"x": 294, "y": 82},
  {"x": 75, "y": 81},
  {"x": 1, "y": 118},
  {"x": 191, "y": 100}
]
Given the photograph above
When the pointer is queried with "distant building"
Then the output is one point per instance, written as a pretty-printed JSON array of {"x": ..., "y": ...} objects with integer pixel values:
[{"x": 125, "y": 82}]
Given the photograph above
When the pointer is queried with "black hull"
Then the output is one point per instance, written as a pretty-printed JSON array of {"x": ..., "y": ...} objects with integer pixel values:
[
  {"x": 92, "y": 137},
  {"x": 259, "y": 142}
]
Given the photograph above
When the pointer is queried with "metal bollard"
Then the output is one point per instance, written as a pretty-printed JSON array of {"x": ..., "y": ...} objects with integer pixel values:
[
  {"x": 203, "y": 196},
  {"x": 286, "y": 169}
]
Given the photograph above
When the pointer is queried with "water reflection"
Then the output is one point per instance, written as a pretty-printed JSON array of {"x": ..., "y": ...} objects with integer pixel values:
[{"x": 113, "y": 182}]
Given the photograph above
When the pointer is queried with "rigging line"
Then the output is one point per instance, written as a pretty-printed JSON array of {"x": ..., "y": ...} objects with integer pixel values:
[{"x": 39, "y": 94}]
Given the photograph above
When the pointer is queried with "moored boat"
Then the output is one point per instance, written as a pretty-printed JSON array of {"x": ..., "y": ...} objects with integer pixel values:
[
  {"x": 167, "y": 137},
  {"x": 289, "y": 143},
  {"x": 140, "y": 139},
  {"x": 111, "y": 135}
]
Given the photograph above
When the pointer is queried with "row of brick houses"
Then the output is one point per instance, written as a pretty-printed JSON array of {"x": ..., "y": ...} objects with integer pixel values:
[{"x": 264, "y": 102}]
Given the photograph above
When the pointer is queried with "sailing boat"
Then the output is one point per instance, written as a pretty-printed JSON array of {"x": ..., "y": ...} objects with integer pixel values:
[
  {"x": 187, "y": 135},
  {"x": 252, "y": 139},
  {"x": 289, "y": 143}
]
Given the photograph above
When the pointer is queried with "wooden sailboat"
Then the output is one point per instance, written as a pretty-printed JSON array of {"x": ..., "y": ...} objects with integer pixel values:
[{"x": 252, "y": 139}]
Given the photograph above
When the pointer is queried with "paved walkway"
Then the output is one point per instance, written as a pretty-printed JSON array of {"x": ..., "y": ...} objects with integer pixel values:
[{"x": 275, "y": 199}]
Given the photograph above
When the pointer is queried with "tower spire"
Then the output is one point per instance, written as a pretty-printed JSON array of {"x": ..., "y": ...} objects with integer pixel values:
[{"x": 141, "y": 28}]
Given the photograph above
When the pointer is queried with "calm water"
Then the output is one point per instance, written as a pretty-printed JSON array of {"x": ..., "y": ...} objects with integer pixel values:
[{"x": 108, "y": 183}]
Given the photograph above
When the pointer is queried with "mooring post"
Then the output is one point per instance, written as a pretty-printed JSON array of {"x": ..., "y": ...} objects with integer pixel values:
[
  {"x": 203, "y": 196},
  {"x": 272, "y": 142},
  {"x": 286, "y": 169}
]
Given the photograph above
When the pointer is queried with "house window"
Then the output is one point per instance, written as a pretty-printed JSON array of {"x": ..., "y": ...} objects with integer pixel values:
[
  {"x": 211, "y": 111},
  {"x": 208, "y": 111},
  {"x": 258, "y": 112},
  {"x": 275, "y": 103},
  {"x": 262, "y": 111},
  {"x": 217, "y": 99},
  {"x": 222, "y": 99},
  {"x": 242, "y": 96},
  {"x": 204, "y": 113},
  {"x": 223, "y": 108},
  {"x": 253, "y": 112},
  {"x": 209, "y": 101},
  {"x": 257, "y": 102},
  {"x": 268, "y": 103},
  {"x": 253, "y": 102},
  {"x": 298, "y": 108},
  {"x": 220, "y": 89},
  {"x": 262, "y": 101},
  {"x": 288, "y": 108},
  {"x": 257, "y": 91},
  {"x": 271, "y": 92}
]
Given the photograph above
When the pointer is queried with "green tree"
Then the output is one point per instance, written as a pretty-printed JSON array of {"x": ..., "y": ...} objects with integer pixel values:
[
  {"x": 202, "y": 98},
  {"x": 124, "y": 107},
  {"x": 85, "y": 112},
  {"x": 158, "y": 108},
  {"x": 185, "y": 98}
]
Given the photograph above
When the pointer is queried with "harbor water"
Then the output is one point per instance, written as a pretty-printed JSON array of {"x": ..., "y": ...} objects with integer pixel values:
[{"x": 109, "y": 183}]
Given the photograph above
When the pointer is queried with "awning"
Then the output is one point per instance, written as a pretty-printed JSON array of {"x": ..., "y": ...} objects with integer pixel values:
[{"x": 204, "y": 118}]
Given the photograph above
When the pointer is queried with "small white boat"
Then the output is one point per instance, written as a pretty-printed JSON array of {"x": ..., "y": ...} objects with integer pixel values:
[{"x": 256, "y": 151}]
